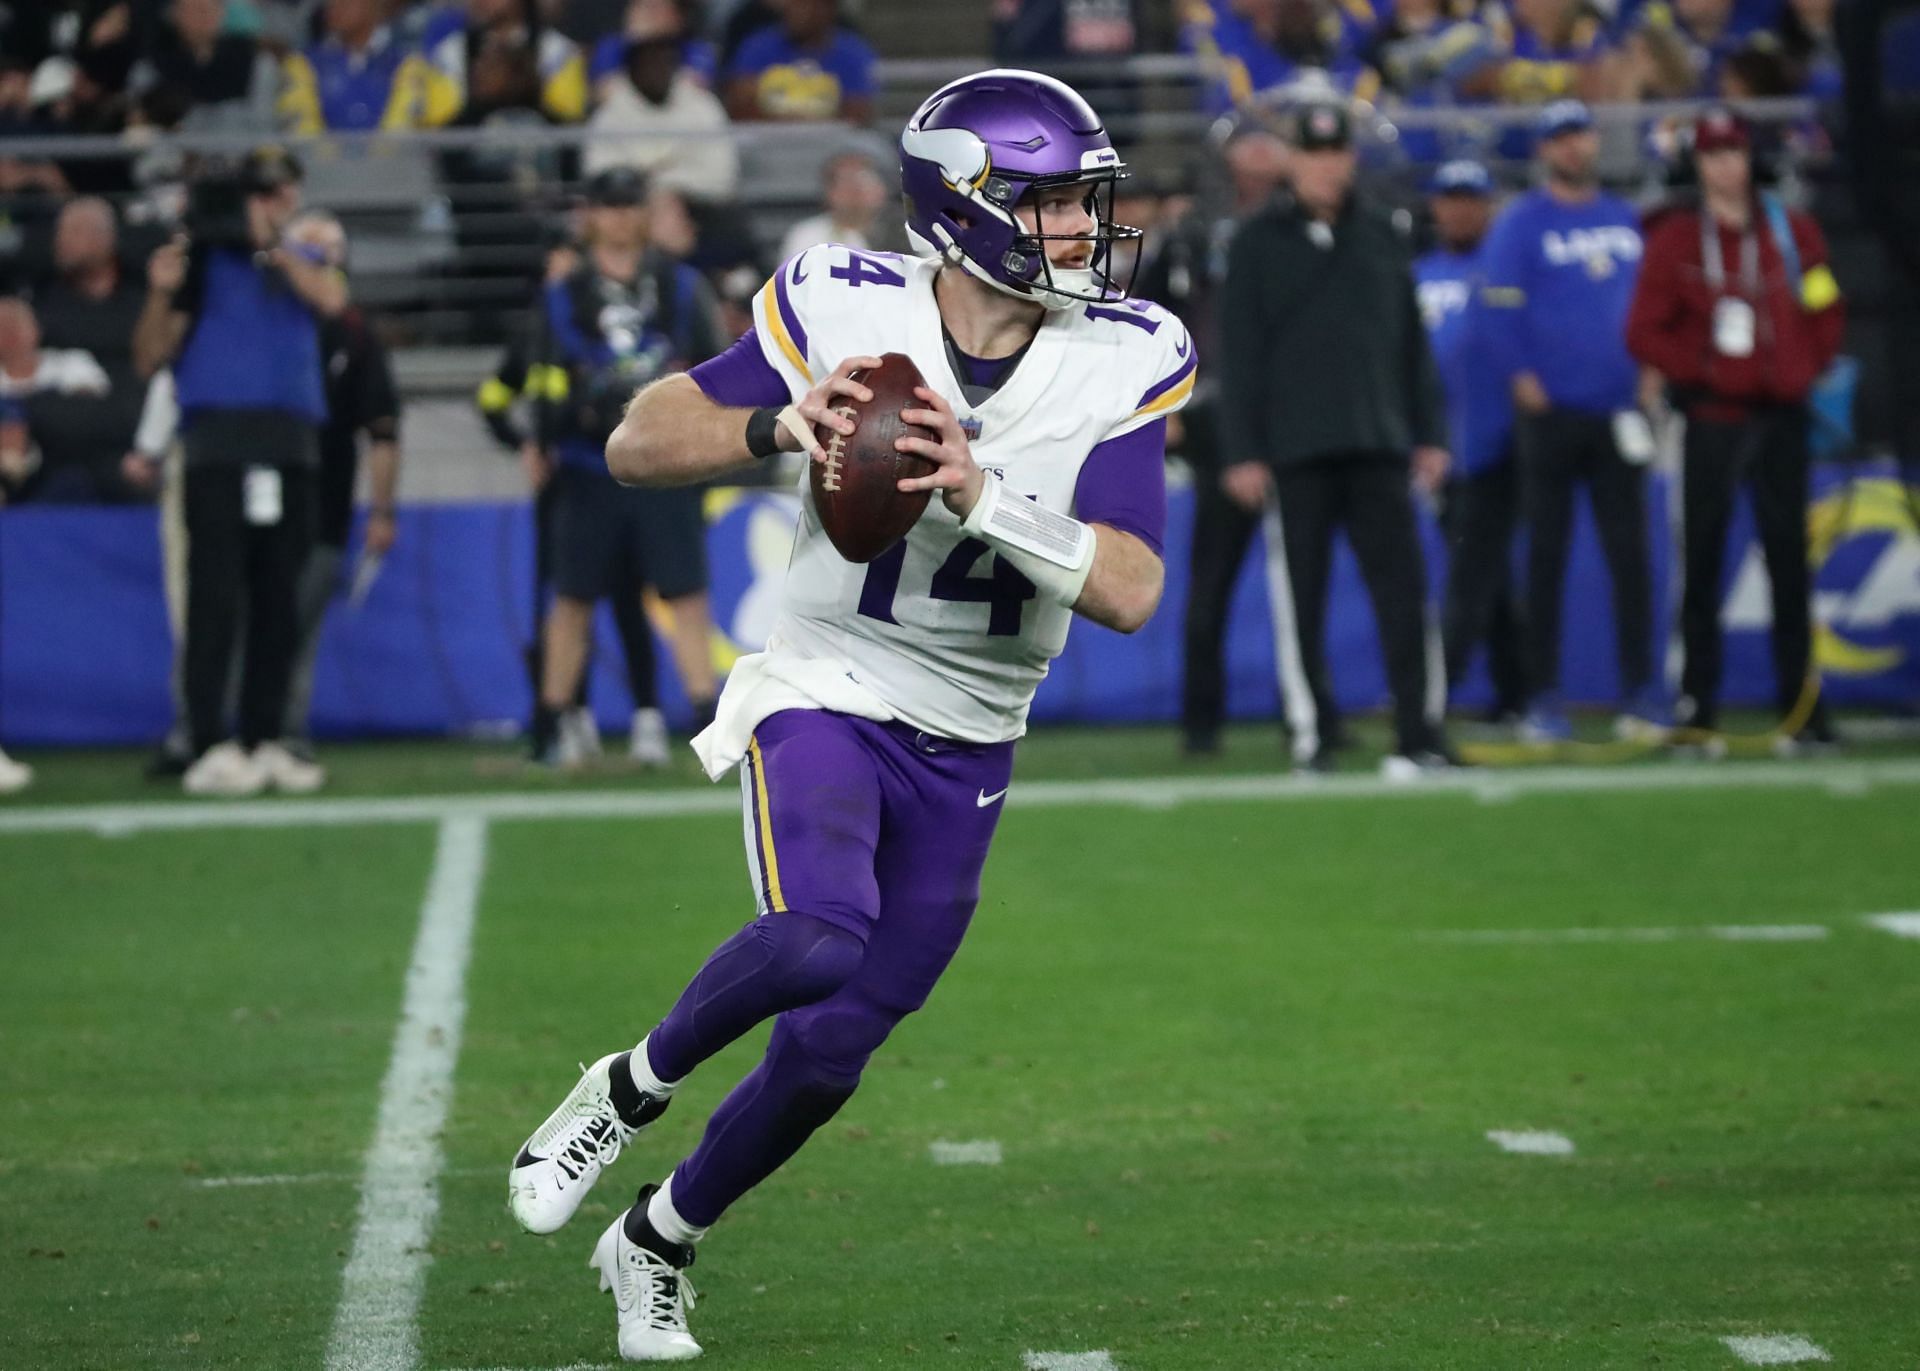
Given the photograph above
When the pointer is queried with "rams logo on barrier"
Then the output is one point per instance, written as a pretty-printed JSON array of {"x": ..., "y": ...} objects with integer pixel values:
[{"x": 1865, "y": 553}]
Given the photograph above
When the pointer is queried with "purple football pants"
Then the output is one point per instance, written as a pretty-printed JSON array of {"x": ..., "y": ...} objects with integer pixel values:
[{"x": 865, "y": 843}]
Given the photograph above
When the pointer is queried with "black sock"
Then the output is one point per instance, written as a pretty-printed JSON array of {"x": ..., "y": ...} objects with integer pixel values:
[
  {"x": 546, "y": 728},
  {"x": 641, "y": 1232},
  {"x": 702, "y": 713},
  {"x": 635, "y": 1107}
]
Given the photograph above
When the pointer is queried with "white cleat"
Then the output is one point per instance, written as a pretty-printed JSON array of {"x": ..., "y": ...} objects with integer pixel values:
[
  {"x": 287, "y": 771},
  {"x": 648, "y": 745},
  {"x": 14, "y": 776},
  {"x": 225, "y": 770},
  {"x": 558, "y": 1165},
  {"x": 579, "y": 737},
  {"x": 650, "y": 1294}
]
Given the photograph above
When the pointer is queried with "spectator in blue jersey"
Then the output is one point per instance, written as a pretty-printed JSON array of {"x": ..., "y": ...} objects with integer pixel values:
[
  {"x": 1560, "y": 267},
  {"x": 1557, "y": 50},
  {"x": 358, "y": 75},
  {"x": 1250, "y": 48},
  {"x": 646, "y": 21},
  {"x": 500, "y": 36},
  {"x": 1677, "y": 51},
  {"x": 1428, "y": 58},
  {"x": 1480, "y": 508},
  {"x": 808, "y": 66}
]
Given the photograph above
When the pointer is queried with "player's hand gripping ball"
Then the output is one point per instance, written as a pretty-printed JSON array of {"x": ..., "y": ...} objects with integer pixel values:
[{"x": 855, "y": 478}]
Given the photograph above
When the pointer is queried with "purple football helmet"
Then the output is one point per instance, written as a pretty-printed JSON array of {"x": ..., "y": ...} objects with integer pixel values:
[{"x": 975, "y": 148}]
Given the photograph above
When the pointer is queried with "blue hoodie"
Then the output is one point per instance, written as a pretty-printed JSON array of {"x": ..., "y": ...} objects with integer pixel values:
[
  {"x": 1479, "y": 404},
  {"x": 1558, "y": 283}
]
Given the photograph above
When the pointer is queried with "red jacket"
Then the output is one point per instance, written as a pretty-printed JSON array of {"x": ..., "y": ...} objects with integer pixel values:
[{"x": 1796, "y": 337}]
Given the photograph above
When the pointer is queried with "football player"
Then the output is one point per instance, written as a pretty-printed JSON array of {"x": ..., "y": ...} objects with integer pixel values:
[{"x": 875, "y": 734}]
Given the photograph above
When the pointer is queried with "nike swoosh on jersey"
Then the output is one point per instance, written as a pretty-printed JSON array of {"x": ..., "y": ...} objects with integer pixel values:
[
  {"x": 1180, "y": 348},
  {"x": 797, "y": 275},
  {"x": 986, "y": 799}
]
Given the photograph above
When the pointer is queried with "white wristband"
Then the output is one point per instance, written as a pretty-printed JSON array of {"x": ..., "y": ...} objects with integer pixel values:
[{"x": 1052, "y": 550}]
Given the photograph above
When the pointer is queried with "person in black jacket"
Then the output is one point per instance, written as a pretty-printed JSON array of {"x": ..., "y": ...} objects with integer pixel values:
[
  {"x": 1185, "y": 273},
  {"x": 1329, "y": 391}
]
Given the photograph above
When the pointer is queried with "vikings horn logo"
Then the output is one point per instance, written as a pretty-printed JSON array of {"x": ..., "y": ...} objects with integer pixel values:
[{"x": 961, "y": 154}]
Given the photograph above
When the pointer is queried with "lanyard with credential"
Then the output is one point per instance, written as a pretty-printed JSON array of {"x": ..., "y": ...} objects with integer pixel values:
[{"x": 1716, "y": 267}]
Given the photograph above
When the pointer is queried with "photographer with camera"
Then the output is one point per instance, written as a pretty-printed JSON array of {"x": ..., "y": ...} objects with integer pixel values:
[
  {"x": 235, "y": 310},
  {"x": 625, "y": 315}
]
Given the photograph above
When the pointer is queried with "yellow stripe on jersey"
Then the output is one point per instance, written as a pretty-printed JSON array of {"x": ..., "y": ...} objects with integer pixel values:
[
  {"x": 771, "y": 863},
  {"x": 1818, "y": 290},
  {"x": 1169, "y": 399},
  {"x": 770, "y": 306}
]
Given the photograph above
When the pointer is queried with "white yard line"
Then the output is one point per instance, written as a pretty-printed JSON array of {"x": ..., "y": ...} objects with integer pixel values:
[
  {"x": 376, "y": 1326},
  {"x": 1152, "y": 793},
  {"x": 982, "y": 1152},
  {"x": 1068, "y": 1361},
  {"x": 1727, "y": 933},
  {"x": 1903, "y": 925},
  {"x": 1776, "y": 1349},
  {"x": 1531, "y": 1142}
]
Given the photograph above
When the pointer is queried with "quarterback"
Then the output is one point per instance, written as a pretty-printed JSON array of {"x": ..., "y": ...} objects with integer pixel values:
[{"x": 875, "y": 734}]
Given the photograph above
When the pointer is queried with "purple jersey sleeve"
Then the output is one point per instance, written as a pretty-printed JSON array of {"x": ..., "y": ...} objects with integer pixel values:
[
  {"x": 1123, "y": 483},
  {"x": 741, "y": 377}
]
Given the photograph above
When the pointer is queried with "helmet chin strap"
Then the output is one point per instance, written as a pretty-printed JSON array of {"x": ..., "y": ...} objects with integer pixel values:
[{"x": 1073, "y": 278}]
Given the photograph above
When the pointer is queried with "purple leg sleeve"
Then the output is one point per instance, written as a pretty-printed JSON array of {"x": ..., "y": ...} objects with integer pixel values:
[
  {"x": 777, "y": 962},
  {"x": 811, "y": 1068}
]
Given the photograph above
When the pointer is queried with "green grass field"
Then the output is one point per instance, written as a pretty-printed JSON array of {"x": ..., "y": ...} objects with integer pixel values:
[{"x": 1240, "y": 1059}]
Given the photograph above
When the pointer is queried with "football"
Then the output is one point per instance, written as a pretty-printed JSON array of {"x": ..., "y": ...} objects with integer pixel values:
[{"x": 861, "y": 510}]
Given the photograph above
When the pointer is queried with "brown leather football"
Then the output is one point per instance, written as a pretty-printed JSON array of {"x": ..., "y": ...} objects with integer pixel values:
[{"x": 862, "y": 511}]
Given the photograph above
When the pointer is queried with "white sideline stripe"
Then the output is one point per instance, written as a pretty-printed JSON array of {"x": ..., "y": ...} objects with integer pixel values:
[
  {"x": 376, "y": 1326},
  {"x": 984, "y": 1152},
  {"x": 1532, "y": 1143},
  {"x": 1069, "y": 1361},
  {"x": 1150, "y": 793},
  {"x": 1776, "y": 1349},
  {"x": 316, "y": 1178},
  {"x": 570, "y": 1366},
  {"x": 1726, "y": 933},
  {"x": 1903, "y": 925}
]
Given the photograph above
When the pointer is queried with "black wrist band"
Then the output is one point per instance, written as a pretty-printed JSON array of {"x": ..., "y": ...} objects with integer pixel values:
[{"x": 763, "y": 433}]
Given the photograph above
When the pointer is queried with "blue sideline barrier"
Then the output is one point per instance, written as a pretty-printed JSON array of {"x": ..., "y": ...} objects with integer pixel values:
[{"x": 437, "y": 646}]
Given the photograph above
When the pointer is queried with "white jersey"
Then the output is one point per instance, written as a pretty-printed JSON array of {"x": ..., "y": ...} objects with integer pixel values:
[{"x": 950, "y": 640}]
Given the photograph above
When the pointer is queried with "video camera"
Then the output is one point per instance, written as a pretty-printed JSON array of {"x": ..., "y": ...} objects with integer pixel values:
[{"x": 217, "y": 196}]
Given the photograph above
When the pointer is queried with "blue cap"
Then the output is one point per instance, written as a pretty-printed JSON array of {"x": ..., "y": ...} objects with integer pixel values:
[
  {"x": 1565, "y": 116},
  {"x": 1461, "y": 177}
]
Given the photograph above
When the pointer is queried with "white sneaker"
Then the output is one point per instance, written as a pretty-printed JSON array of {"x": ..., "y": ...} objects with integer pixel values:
[
  {"x": 558, "y": 1165},
  {"x": 648, "y": 745},
  {"x": 14, "y": 776},
  {"x": 287, "y": 771},
  {"x": 579, "y": 736},
  {"x": 225, "y": 770},
  {"x": 650, "y": 1293}
]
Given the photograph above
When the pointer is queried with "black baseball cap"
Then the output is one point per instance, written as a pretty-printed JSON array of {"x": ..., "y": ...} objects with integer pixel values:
[
  {"x": 1321, "y": 126},
  {"x": 269, "y": 167},
  {"x": 617, "y": 186}
]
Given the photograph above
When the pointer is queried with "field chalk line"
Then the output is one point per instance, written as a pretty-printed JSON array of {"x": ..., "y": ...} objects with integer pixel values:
[
  {"x": 1903, "y": 925},
  {"x": 1148, "y": 793},
  {"x": 1776, "y": 1349},
  {"x": 982, "y": 1152},
  {"x": 1069, "y": 1361},
  {"x": 1531, "y": 1142},
  {"x": 1726, "y": 933},
  {"x": 376, "y": 1326}
]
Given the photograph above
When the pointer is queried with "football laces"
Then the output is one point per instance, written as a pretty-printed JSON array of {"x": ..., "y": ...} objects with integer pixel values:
[{"x": 836, "y": 449}]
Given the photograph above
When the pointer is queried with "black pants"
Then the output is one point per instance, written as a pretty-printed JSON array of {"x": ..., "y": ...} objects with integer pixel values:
[
  {"x": 236, "y": 566},
  {"x": 1221, "y": 532},
  {"x": 1480, "y": 516},
  {"x": 1768, "y": 451},
  {"x": 1368, "y": 495},
  {"x": 1559, "y": 450}
]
